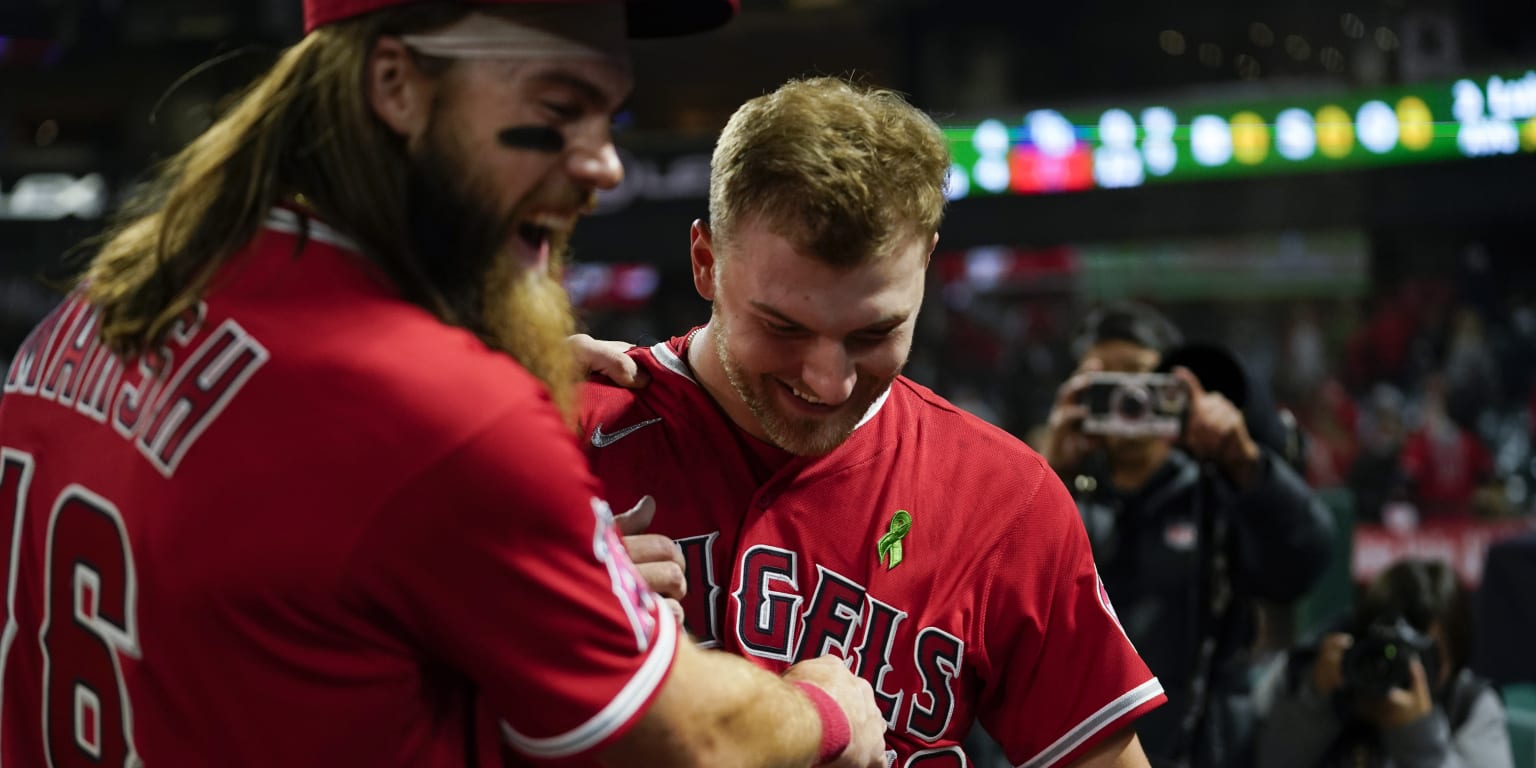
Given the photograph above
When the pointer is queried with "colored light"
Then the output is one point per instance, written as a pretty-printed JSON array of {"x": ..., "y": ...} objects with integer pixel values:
[
  {"x": 991, "y": 174},
  {"x": 1159, "y": 122},
  {"x": 1528, "y": 135},
  {"x": 1468, "y": 104},
  {"x": 1116, "y": 163},
  {"x": 1117, "y": 128},
  {"x": 1250, "y": 138},
  {"x": 990, "y": 138},
  {"x": 1512, "y": 99},
  {"x": 1377, "y": 126},
  {"x": 1335, "y": 132},
  {"x": 1210, "y": 140},
  {"x": 1416, "y": 125},
  {"x": 1161, "y": 156},
  {"x": 1051, "y": 133},
  {"x": 1033, "y": 171},
  {"x": 1158, "y": 149},
  {"x": 1295, "y": 134}
]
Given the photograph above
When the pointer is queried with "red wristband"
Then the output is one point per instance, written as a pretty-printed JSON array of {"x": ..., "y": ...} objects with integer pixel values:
[{"x": 835, "y": 731}]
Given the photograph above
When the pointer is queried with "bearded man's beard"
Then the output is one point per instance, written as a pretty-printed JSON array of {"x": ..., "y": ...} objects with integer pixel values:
[
  {"x": 529, "y": 316},
  {"x": 462, "y": 246}
]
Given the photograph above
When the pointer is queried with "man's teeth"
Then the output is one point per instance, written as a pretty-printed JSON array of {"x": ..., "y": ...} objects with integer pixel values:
[
  {"x": 807, "y": 397},
  {"x": 552, "y": 221}
]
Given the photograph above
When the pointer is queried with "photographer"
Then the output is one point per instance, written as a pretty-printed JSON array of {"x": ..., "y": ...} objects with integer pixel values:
[
  {"x": 1393, "y": 691},
  {"x": 1192, "y": 521}
]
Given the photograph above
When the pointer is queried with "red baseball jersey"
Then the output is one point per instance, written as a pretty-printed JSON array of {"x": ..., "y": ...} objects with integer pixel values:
[
  {"x": 317, "y": 528},
  {"x": 992, "y": 609}
]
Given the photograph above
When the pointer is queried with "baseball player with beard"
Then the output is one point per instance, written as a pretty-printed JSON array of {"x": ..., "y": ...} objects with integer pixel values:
[{"x": 286, "y": 480}]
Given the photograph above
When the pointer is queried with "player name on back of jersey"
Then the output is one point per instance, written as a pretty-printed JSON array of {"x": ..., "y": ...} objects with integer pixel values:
[{"x": 163, "y": 404}]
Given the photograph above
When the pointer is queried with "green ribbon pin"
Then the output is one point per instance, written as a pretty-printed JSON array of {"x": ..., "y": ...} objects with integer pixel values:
[{"x": 890, "y": 544}]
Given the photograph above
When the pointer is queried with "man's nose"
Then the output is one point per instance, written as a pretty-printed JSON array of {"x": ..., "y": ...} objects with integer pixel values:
[
  {"x": 829, "y": 373},
  {"x": 597, "y": 165}
]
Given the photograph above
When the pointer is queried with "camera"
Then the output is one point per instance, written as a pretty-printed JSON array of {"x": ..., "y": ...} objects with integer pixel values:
[
  {"x": 1378, "y": 660},
  {"x": 1134, "y": 404}
]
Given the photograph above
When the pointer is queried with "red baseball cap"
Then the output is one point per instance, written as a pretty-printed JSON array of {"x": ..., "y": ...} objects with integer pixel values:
[{"x": 647, "y": 18}]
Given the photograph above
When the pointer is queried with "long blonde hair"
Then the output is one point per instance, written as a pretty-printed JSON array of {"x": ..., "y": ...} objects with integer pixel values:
[{"x": 304, "y": 128}]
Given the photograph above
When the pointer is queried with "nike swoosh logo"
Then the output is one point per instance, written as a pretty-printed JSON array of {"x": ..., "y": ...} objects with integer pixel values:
[{"x": 601, "y": 439}]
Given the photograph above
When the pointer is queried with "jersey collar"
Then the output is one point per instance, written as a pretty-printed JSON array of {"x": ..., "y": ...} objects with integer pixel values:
[{"x": 291, "y": 222}]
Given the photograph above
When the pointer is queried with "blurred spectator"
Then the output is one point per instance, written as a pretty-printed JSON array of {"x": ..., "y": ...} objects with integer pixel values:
[
  {"x": 1330, "y": 420},
  {"x": 1443, "y": 464},
  {"x": 1390, "y": 689},
  {"x": 1380, "y": 350},
  {"x": 1188, "y": 534},
  {"x": 1376, "y": 477},
  {"x": 1304, "y": 357},
  {"x": 1471, "y": 374},
  {"x": 1514, "y": 349}
]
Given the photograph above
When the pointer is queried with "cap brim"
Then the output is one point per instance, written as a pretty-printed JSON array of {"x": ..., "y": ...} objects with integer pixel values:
[{"x": 670, "y": 18}]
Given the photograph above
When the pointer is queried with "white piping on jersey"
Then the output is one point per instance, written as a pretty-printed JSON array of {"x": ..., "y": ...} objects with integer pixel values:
[
  {"x": 1094, "y": 723},
  {"x": 289, "y": 223},
  {"x": 675, "y": 364},
  {"x": 874, "y": 408},
  {"x": 671, "y": 361},
  {"x": 619, "y": 711}
]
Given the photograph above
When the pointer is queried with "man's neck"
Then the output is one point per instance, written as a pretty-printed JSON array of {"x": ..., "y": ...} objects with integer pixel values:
[{"x": 704, "y": 359}]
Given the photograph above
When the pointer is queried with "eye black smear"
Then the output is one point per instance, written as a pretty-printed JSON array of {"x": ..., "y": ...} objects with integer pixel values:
[{"x": 538, "y": 138}]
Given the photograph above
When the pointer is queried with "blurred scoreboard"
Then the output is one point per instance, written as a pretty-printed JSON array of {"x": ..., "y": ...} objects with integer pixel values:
[{"x": 1047, "y": 150}]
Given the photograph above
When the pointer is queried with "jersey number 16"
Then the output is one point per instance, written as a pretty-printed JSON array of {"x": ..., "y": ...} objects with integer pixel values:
[{"x": 69, "y": 607}]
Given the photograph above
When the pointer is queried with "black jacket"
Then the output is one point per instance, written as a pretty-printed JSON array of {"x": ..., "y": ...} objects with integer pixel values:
[{"x": 1154, "y": 551}]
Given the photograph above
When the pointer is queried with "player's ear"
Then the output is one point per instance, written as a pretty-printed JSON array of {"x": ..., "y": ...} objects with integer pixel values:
[
  {"x": 399, "y": 93},
  {"x": 701, "y": 250},
  {"x": 931, "y": 246}
]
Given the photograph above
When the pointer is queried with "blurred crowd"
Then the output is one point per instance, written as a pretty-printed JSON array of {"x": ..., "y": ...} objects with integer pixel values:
[
  {"x": 1416, "y": 397},
  {"x": 1424, "y": 409}
]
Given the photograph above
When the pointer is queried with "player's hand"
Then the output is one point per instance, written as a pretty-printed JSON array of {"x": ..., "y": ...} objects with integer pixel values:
[
  {"x": 1328, "y": 668},
  {"x": 1215, "y": 431},
  {"x": 866, "y": 745},
  {"x": 1401, "y": 707},
  {"x": 608, "y": 358},
  {"x": 658, "y": 558},
  {"x": 1065, "y": 444}
]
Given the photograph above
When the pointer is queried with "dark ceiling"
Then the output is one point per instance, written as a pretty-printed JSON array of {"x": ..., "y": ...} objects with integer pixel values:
[
  {"x": 93, "y": 66},
  {"x": 86, "y": 85}
]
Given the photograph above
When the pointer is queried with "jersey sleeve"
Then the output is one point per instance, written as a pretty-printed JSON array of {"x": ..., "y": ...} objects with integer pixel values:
[
  {"x": 1066, "y": 675},
  {"x": 502, "y": 561}
]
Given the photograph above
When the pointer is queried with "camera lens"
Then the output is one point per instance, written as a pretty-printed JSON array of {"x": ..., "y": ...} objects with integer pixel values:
[{"x": 1131, "y": 402}]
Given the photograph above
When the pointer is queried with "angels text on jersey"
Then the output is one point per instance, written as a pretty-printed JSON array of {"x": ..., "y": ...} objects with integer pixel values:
[{"x": 777, "y": 618}]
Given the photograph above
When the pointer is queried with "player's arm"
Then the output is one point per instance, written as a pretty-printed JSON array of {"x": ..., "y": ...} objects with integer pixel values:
[
  {"x": 499, "y": 561},
  {"x": 1121, "y": 750},
  {"x": 721, "y": 710}
]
